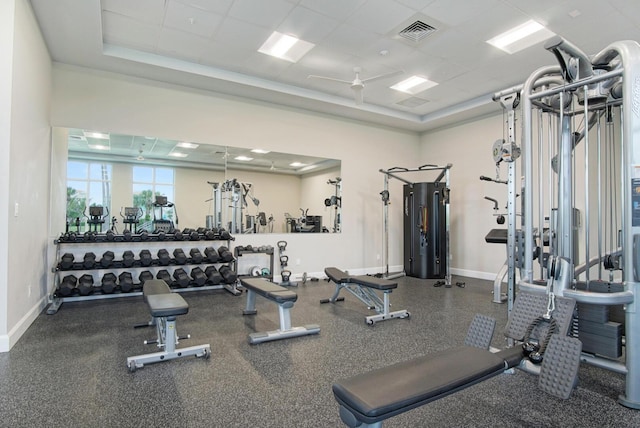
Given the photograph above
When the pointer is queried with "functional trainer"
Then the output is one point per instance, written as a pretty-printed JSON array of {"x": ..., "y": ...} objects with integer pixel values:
[
  {"x": 364, "y": 288},
  {"x": 164, "y": 307},
  {"x": 285, "y": 299}
]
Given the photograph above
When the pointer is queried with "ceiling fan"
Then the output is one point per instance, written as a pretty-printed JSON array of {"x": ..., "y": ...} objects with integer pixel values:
[{"x": 357, "y": 84}]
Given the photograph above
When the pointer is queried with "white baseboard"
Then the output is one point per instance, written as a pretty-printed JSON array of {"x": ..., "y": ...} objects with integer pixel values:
[
  {"x": 490, "y": 276},
  {"x": 8, "y": 340}
]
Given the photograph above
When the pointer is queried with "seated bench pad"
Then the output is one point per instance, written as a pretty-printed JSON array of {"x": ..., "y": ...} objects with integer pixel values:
[
  {"x": 341, "y": 277},
  {"x": 336, "y": 275},
  {"x": 395, "y": 389},
  {"x": 154, "y": 286},
  {"x": 269, "y": 290},
  {"x": 167, "y": 305}
]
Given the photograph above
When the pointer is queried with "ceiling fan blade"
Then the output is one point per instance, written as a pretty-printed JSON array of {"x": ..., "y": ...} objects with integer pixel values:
[
  {"x": 358, "y": 94},
  {"x": 382, "y": 76},
  {"x": 313, "y": 76}
]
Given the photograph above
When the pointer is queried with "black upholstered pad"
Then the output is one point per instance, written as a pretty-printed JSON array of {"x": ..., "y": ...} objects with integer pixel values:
[
  {"x": 336, "y": 275},
  {"x": 496, "y": 236},
  {"x": 154, "y": 286},
  {"x": 166, "y": 305},
  {"x": 269, "y": 290},
  {"x": 373, "y": 282},
  {"x": 382, "y": 393}
]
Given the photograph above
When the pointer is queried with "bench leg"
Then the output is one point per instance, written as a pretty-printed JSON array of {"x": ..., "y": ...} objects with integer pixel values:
[
  {"x": 385, "y": 313},
  {"x": 335, "y": 297},
  {"x": 250, "y": 309},
  {"x": 285, "y": 331}
]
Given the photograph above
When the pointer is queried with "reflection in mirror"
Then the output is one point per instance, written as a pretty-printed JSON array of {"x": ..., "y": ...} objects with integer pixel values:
[{"x": 149, "y": 183}]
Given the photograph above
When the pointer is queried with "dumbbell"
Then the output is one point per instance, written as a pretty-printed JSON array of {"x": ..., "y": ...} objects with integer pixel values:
[
  {"x": 128, "y": 259},
  {"x": 162, "y": 235},
  {"x": 89, "y": 260},
  {"x": 85, "y": 285},
  {"x": 181, "y": 277},
  {"x": 163, "y": 257},
  {"x": 198, "y": 276},
  {"x": 177, "y": 235},
  {"x": 126, "y": 281},
  {"x": 164, "y": 275},
  {"x": 193, "y": 235},
  {"x": 213, "y": 276},
  {"x": 107, "y": 259},
  {"x": 144, "y": 276},
  {"x": 126, "y": 235},
  {"x": 211, "y": 254},
  {"x": 66, "y": 262},
  {"x": 228, "y": 275},
  {"x": 179, "y": 256},
  {"x": 224, "y": 234},
  {"x": 247, "y": 248},
  {"x": 110, "y": 236},
  {"x": 144, "y": 235},
  {"x": 196, "y": 256},
  {"x": 108, "y": 283},
  {"x": 145, "y": 258},
  {"x": 66, "y": 287},
  {"x": 89, "y": 237},
  {"x": 225, "y": 254}
]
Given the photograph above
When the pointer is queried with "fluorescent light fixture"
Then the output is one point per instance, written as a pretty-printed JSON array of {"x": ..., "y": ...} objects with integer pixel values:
[
  {"x": 260, "y": 151},
  {"x": 178, "y": 155},
  {"x": 98, "y": 135},
  {"x": 243, "y": 158},
  {"x": 285, "y": 47},
  {"x": 308, "y": 168},
  {"x": 521, "y": 37},
  {"x": 99, "y": 146},
  {"x": 186, "y": 145},
  {"x": 414, "y": 85},
  {"x": 297, "y": 164}
]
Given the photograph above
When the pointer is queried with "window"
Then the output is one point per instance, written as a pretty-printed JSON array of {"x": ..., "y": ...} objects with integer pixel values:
[
  {"x": 149, "y": 182},
  {"x": 88, "y": 184}
]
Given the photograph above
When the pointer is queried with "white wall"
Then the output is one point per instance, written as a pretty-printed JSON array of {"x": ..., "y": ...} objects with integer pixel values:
[
  {"x": 29, "y": 153},
  {"x": 468, "y": 148},
  {"x": 115, "y": 103}
]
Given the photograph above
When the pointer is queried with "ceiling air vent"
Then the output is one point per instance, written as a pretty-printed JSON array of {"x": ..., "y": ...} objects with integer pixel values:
[
  {"x": 412, "y": 102},
  {"x": 417, "y": 31}
]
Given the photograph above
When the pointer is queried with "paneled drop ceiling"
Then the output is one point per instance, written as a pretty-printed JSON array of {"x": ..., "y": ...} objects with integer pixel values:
[{"x": 213, "y": 45}]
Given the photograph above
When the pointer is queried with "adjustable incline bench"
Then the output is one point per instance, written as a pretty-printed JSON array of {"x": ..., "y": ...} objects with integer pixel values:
[
  {"x": 363, "y": 287},
  {"x": 164, "y": 307},
  {"x": 366, "y": 400},
  {"x": 285, "y": 299}
]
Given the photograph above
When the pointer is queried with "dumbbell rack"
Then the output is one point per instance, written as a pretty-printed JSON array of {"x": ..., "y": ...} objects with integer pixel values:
[
  {"x": 80, "y": 247},
  {"x": 240, "y": 251}
]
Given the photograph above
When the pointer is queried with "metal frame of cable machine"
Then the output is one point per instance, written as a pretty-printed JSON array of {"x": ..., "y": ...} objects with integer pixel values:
[
  {"x": 393, "y": 173},
  {"x": 608, "y": 81}
]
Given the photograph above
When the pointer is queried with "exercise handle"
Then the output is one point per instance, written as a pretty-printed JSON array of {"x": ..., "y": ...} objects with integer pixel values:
[{"x": 484, "y": 178}]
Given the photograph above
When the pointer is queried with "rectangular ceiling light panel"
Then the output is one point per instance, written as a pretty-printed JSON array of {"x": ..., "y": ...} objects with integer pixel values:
[
  {"x": 414, "y": 85},
  {"x": 285, "y": 47},
  {"x": 521, "y": 37}
]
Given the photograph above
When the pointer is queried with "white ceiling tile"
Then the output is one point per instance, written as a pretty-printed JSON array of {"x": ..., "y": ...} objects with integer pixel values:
[
  {"x": 240, "y": 34},
  {"x": 416, "y": 4},
  {"x": 322, "y": 59},
  {"x": 224, "y": 55},
  {"x": 265, "y": 66},
  {"x": 264, "y": 13},
  {"x": 220, "y": 7},
  {"x": 125, "y": 31},
  {"x": 308, "y": 25},
  {"x": 191, "y": 20},
  {"x": 455, "y": 12},
  {"x": 349, "y": 39},
  {"x": 148, "y": 11},
  {"x": 178, "y": 44},
  {"x": 338, "y": 9},
  {"x": 380, "y": 16}
]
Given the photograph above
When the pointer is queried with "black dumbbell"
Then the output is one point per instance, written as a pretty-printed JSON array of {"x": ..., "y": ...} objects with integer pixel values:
[
  {"x": 213, "y": 276},
  {"x": 144, "y": 235},
  {"x": 179, "y": 256},
  {"x": 128, "y": 258},
  {"x": 89, "y": 237},
  {"x": 107, "y": 259},
  {"x": 196, "y": 255},
  {"x": 110, "y": 236},
  {"x": 194, "y": 235},
  {"x": 145, "y": 258},
  {"x": 68, "y": 284},
  {"x": 89, "y": 260},
  {"x": 163, "y": 257},
  {"x": 162, "y": 235},
  {"x": 126, "y": 235},
  {"x": 224, "y": 234},
  {"x": 228, "y": 275},
  {"x": 181, "y": 277},
  {"x": 211, "y": 254},
  {"x": 125, "y": 281},
  {"x": 177, "y": 235},
  {"x": 164, "y": 275},
  {"x": 198, "y": 276},
  {"x": 85, "y": 285},
  {"x": 66, "y": 262},
  {"x": 225, "y": 254},
  {"x": 108, "y": 283},
  {"x": 144, "y": 276}
]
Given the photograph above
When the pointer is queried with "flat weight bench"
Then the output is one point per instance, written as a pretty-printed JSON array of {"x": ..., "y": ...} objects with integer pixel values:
[
  {"x": 285, "y": 299},
  {"x": 364, "y": 288},
  {"x": 164, "y": 307},
  {"x": 366, "y": 400}
]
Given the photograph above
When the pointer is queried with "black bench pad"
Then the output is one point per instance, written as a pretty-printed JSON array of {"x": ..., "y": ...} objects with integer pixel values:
[
  {"x": 496, "y": 236},
  {"x": 392, "y": 390},
  {"x": 167, "y": 305},
  {"x": 154, "y": 286},
  {"x": 340, "y": 277},
  {"x": 269, "y": 290}
]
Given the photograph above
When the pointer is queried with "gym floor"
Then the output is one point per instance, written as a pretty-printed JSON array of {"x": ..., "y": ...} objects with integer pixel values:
[{"x": 68, "y": 370}]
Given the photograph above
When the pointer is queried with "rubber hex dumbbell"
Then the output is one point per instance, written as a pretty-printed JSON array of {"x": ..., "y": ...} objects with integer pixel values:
[
  {"x": 228, "y": 275},
  {"x": 213, "y": 276},
  {"x": 225, "y": 254},
  {"x": 211, "y": 254},
  {"x": 144, "y": 276},
  {"x": 125, "y": 280},
  {"x": 66, "y": 261},
  {"x": 68, "y": 284},
  {"x": 107, "y": 259},
  {"x": 108, "y": 283},
  {"x": 181, "y": 277},
  {"x": 89, "y": 261},
  {"x": 198, "y": 277},
  {"x": 196, "y": 256},
  {"x": 179, "y": 256},
  {"x": 164, "y": 275},
  {"x": 128, "y": 258},
  {"x": 145, "y": 258},
  {"x": 163, "y": 257},
  {"x": 85, "y": 285}
]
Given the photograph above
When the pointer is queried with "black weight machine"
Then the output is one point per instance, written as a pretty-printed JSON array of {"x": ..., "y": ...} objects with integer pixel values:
[{"x": 335, "y": 201}]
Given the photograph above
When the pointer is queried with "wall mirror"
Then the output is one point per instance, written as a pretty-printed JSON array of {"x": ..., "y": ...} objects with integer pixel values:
[{"x": 146, "y": 182}]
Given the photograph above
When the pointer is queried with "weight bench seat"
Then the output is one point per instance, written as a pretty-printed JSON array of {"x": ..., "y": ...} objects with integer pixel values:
[
  {"x": 154, "y": 286},
  {"x": 167, "y": 305},
  {"x": 364, "y": 288},
  {"x": 285, "y": 299},
  {"x": 372, "y": 397}
]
